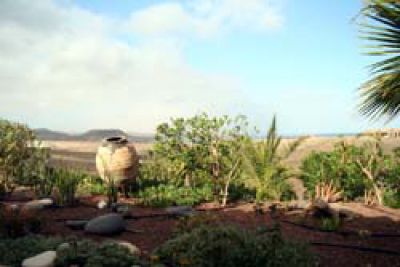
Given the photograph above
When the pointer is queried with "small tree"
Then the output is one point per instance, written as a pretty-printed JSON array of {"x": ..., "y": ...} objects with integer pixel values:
[
  {"x": 22, "y": 160},
  {"x": 203, "y": 149}
]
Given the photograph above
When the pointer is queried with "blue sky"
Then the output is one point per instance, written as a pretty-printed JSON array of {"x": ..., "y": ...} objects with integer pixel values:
[{"x": 133, "y": 64}]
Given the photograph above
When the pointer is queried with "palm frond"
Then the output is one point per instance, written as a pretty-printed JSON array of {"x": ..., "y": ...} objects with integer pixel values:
[{"x": 380, "y": 96}]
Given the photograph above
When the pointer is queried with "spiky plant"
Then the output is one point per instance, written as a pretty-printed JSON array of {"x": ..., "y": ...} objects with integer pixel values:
[
  {"x": 263, "y": 165},
  {"x": 381, "y": 94}
]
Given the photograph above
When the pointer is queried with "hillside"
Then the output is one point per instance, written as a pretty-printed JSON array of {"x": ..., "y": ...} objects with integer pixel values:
[{"x": 91, "y": 135}]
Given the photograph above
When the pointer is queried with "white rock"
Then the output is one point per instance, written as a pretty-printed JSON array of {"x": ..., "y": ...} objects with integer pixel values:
[
  {"x": 45, "y": 259},
  {"x": 134, "y": 250},
  {"x": 101, "y": 204},
  {"x": 39, "y": 204}
]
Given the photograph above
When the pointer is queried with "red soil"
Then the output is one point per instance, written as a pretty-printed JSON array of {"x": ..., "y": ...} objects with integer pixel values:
[{"x": 158, "y": 229}]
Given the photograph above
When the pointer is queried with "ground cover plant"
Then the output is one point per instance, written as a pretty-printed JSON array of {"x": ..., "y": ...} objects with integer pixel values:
[{"x": 232, "y": 246}]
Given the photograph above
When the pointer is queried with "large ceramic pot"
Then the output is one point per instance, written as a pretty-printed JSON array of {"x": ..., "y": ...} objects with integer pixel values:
[{"x": 117, "y": 159}]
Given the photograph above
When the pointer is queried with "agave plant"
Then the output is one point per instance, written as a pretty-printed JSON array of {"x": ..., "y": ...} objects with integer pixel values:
[
  {"x": 263, "y": 165},
  {"x": 381, "y": 94}
]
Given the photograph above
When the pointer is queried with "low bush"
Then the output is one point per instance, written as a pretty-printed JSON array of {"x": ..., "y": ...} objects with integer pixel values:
[
  {"x": 391, "y": 198},
  {"x": 338, "y": 166},
  {"x": 330, "y": 224},
  {"x": 67, "y": 183},
  {"x": 355, "y": 170},
  {"x": 170, "y": 195},
  {"x": 87, "y": 253},
  {"x": 83, "y": 253},
  {"x": 14, "y": 251},
  {"x": 229, "y": 246},
  {"x": 189, "y": 223},
  {"x": 92, "y": 185}
]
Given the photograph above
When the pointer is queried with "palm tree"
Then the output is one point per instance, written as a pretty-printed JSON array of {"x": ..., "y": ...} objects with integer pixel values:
[
  {"x": 381, "y": 94},
  {"x": 264, "y": 167}
]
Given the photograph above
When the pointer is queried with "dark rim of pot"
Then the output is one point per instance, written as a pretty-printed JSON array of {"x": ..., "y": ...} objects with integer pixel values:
[{"x": 116, "y": 140}]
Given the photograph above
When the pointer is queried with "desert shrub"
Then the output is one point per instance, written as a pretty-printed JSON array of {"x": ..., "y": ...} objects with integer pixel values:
[
  {"x": 16, "y": 222},
  {"x": 92, "y": 185},
  {"x": 14, "y": 251},
  {"x": 169, "y": 195},
  {"x": 354, "y": 169},
  {"x": 21, "y": 158},
  {"x": 338, "y": 166},
  {"x": 67, "y": 183},
  {"x": 43, "y": 184},
  {"x": 230, "y": 246},
  {"x": 87, "y": 253}
]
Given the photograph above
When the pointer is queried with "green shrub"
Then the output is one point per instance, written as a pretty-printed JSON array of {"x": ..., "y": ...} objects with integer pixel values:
[
  {"x": 200, "y": 150},
  {"x": 14, "y": 251},
  {"x": 330, "y": 224},
  {"x": 391, "y": 198},
  {"x": 339, "y": 166},
  {"x": 84, "y": 253},
  {"x": 230, "y": 247},
  {"x": 354, "y": 169},
  {"x": 21, "y": 158},
  {"x": 87, "y": 253},
  {"x": 67, "y": 183},
  {"x": 187, "y": 224},
  {"x": 169, "y": 195},
  {"x": 92, "y": 185}
]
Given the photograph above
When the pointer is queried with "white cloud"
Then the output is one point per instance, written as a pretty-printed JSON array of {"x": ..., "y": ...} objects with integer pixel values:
[
  {"x": 206, "y": 18},
  {"x": 64, "y": 67}
]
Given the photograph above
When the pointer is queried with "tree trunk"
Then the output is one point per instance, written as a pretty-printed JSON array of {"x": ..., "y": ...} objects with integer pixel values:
[{"x": 187, "y": 180}]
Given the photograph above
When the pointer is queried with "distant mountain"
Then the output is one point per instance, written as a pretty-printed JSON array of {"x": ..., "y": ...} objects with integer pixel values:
[
  {"x": 100, "y": 134},
  {"x": 91, "y": 135},
  {"x": 46, "y": 134}
]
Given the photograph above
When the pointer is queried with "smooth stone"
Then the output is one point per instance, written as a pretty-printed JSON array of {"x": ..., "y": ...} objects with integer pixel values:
[
  {"x": 106, "y": 224},
  {"x": 45, "y": 259},
  {"x": 181, "y": 210},
  {"x": 134, "y": 250},
  {"x": 39, "y": 204},
  {"x": 102, "y": 204},
  {"x": 76, "y": 224}
]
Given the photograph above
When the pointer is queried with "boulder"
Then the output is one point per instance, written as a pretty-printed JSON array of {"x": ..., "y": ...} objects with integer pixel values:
[
  {"x": 45, "y": 259},
  {"x": 39, "y": 204},
  {"x": 180, "y": 211},
  {"x": 106, "y": 224},
  {"x": 76, "y": 224}
]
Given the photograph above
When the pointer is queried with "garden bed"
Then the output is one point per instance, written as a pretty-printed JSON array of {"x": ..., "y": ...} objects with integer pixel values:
[{"x": 150, "y": 232}]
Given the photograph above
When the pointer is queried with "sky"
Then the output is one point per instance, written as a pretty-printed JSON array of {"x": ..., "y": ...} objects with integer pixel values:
[{"x": 74, "y": 65}]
